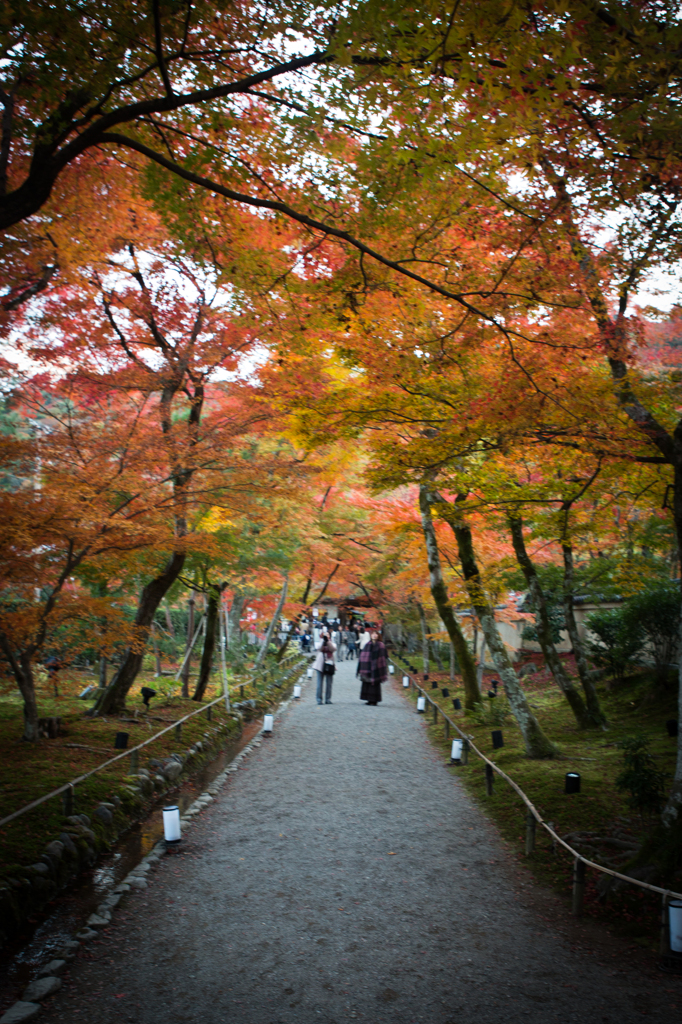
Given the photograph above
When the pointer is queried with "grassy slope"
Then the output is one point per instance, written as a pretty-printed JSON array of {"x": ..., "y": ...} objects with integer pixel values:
[
  {"x": 595, "y": 755},
  {"x": 27, "y": 771}
]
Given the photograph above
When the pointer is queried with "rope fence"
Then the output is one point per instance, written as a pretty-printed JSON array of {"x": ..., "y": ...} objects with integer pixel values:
[
  {"x": 133, "y": 752},
  {"x": 580, "y": 863}
]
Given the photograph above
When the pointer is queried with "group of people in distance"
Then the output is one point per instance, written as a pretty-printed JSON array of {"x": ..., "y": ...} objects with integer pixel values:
[{"x": 372, "y": 665}]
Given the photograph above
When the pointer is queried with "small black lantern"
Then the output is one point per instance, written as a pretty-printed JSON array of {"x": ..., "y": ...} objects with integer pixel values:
[
  {"x": 572, "y": 783},
  {"x": 147, "y": 694},
  {"x": 445, "y": 691},
  {"x": 498, "y": 739},
  {"x": 672, "y": 727},
  {"x": 426, "y": 676},
  {"x": 495, "y": 683},
  {"x": 492, "y": 694},
  {"x": 457, "y": 704},
  {"x": 121, "y": 741},
  {"x": 434, "y": 686}
]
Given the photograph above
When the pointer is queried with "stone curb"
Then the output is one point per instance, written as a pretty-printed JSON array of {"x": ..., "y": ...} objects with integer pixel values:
[{"x": 45, "y": 984}]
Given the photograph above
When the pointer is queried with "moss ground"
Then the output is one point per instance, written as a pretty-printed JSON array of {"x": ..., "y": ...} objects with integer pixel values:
[
  {"x": 599, "y": 807},
  {"x": 29, "y": 770}
]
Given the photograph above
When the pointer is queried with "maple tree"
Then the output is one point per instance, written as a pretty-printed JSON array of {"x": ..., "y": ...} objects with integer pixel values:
[
  {"x": 476, "y": 150},
  {"x": 77, "y": 498}
]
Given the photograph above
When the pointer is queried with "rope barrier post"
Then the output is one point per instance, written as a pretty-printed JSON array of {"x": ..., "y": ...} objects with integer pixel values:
[
  {"x": 178, "y": 731},
  {"x": 578, "y": 886},
  {"x": 67, "y": 801},
  {"x": 489, "y": 779},
  {"x": 551, "y": 825},
  {"x": 465, "y": 752},
  {"x": 241, "y": 692},
  {"x": 664, "y": 942},
  {"x": 435, "y": 713},
  {"x": 209, "y": 712},
  {"x": 530, "y": 833},
  {"x": 134, "y": 762}
]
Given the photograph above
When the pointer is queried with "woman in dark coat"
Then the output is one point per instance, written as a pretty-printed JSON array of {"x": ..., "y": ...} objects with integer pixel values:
[{"x": 372, "y": 669}]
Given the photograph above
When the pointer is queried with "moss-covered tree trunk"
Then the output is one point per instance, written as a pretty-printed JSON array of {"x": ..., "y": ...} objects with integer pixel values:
[
  {"x": 459, "y": 645},
  {"x": 425, "y": 638},
  {"x": 597, "y": 716},
  {"x": 112, "y": 700},
  {"x": 208, "y": 650},
  {"x": 543, "y": 626},
  {"x": 536, "y": 743}
]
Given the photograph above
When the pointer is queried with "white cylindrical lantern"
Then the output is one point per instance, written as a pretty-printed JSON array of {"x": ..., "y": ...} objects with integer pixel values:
[
  {"x": 421, "y": 704},
  {"x": 406, "y": 681},
  {"x": 268, "y": 722},
  {"x": 297, "y": 690},
  {"x": 456, "y": 752},
  {"x": 310, "y": 673},
  {"x": 675, "y": 919},
  {"x": 391, "y": 669},
  {"x": 171, "y": 824}
]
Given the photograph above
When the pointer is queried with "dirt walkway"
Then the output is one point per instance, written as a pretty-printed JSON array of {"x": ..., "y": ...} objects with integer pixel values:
[{"x": 343, "y": 873}]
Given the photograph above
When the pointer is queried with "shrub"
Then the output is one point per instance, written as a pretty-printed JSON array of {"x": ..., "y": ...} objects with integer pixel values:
[
  {"x": 640, "y": 777},
  {"x": 657, "y": 611},
  {"x": 619, "y": 639}
]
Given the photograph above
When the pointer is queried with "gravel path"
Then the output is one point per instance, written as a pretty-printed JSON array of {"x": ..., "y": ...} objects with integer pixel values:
[{"x": 343, "y": 873}]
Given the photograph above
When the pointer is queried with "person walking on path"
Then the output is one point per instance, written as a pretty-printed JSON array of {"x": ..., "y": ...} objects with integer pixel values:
[
  {"x": 325, "y": 666},
  {"x": 372, "y": 669}
]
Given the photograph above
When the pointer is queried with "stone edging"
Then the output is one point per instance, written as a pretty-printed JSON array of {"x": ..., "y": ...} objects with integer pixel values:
[{"x": 47, "y": 979}]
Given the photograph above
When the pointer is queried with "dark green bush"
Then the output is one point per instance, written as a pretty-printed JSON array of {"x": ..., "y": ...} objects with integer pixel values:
[
  {"x": 657, "y": 613},
  {"x": 640, "y": 777},
  {"x": 617, "y": 640}
]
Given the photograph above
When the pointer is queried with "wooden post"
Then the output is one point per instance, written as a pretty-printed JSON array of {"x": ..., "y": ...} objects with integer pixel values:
[
  {"x": 178, "y": 731},
  {"x": 551, "y": 825},
  {"x": 578, "y": 886},
  {"x": 209, "y": 711},
  {"x": 190, "y": 643},
  {"x": 664, "y": 944},
  {"x": 435, "y": 713},
  {"x": 465, "y": 752},
  {"x": 489, "y": 780},
  {"x": 67, "y": 801},
  {"x": 530, "y": 833},
  {"x": 241, "y": 692},
  {"x": 134, "y": 761}
]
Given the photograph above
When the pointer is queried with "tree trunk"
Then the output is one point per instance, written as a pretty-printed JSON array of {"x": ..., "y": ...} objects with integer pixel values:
[
  {"x": 112, "y": 700},
  {"x": 536, "y": 743},
  {"x": 481, "y": 665},
  {"x": 169, "y": 621},
  {"x": 222, "y": 620},
  {"x": 458, "y": 643},
  {"x": 235, "y": 613},
  {"x": 273, "y": 623},
  {"x": 425, "y": 639},
  {"x": 28, "y": 692},
  {"x": 188, "y": 649},
  {"x": 157, "y": 659},
  {"x": 543, "y": 626},
  {"x": 207, "y": 653},
  {"x": 284, "y": 648},
  {"x": 452, "y": 661},
  {"x": 102, "y": 680},
  {"x": 597, "y": 716}
]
